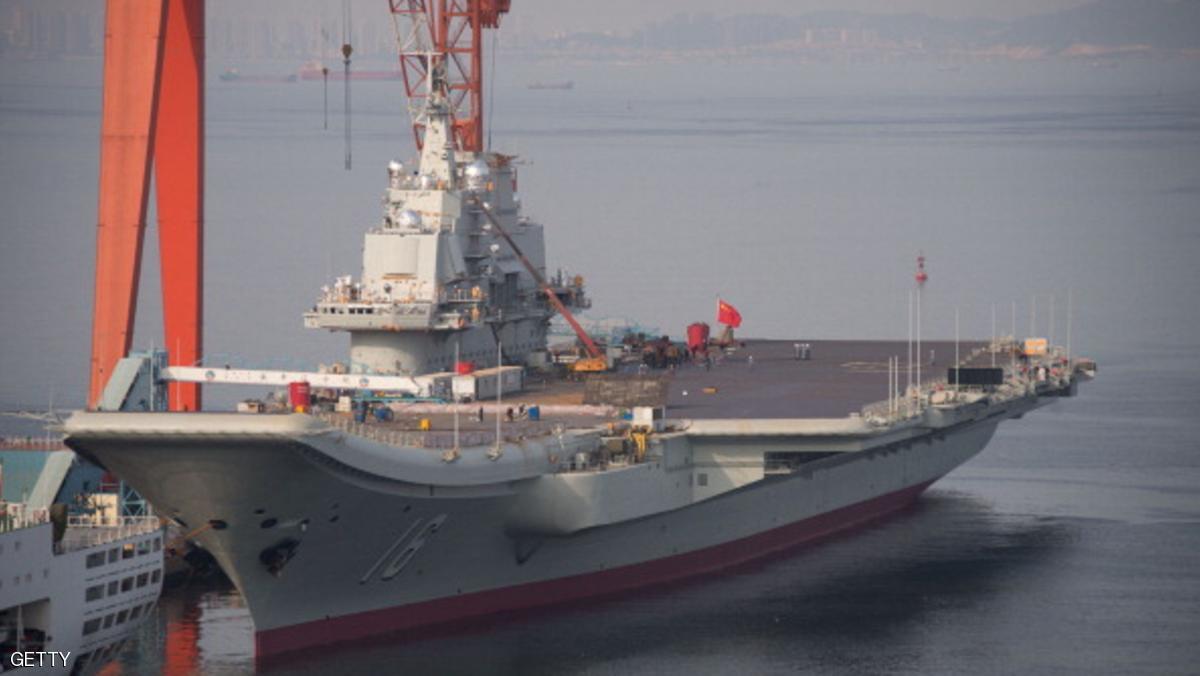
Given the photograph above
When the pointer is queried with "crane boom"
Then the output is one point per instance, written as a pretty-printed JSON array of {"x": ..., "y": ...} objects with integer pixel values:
[
  {"x": 341, "y": 381},
  {"x": 446, "y": 36},
  {"x": 590, "y": 345}
]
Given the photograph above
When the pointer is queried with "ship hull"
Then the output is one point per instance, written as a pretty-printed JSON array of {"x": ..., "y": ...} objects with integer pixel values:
[
  {"x": 449, "y": 613},
  {"x": 371, "y": 557}
]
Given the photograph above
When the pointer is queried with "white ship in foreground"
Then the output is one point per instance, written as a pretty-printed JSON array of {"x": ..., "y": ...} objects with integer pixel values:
[
  {"x": 73, "y": 587},
  {"x": 337, "y": 527}
]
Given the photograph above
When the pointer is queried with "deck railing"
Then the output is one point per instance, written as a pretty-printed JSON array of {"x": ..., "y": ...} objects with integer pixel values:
[
  {"x": 86, "y": 531},
  {"x": 31, "y": 443},
  {"x": 16, "y": 515},
  {"x": 513, "y": 432}
]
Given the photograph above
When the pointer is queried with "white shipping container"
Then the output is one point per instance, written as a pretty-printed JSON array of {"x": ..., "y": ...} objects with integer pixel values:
[
  {"x": 436, "y": 385},
  {"x": 482, "y": 384}
]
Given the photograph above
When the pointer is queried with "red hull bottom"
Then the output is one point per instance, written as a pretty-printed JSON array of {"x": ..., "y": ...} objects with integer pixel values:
[{"x": 463, "y": 609}]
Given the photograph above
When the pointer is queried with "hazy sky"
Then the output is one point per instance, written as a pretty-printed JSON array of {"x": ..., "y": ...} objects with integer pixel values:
[{"x": 545, "y": 16}]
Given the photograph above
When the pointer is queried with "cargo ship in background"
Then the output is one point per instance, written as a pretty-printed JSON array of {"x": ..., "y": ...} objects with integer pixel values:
[
  {"x": 235, "y": 75},
  {"x": 457, "y": 467},
  {"x": 564, "y": 85},
  {"x": 316, "y": 70}
]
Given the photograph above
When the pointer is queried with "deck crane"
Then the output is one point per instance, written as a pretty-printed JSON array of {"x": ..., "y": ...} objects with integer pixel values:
[{"x": 595, "y": 362}]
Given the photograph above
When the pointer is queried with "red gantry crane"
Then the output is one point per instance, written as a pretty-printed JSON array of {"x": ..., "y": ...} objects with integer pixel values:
[
  {"x": 152, "y": 118},
  {"x": 446, "y": 33}
]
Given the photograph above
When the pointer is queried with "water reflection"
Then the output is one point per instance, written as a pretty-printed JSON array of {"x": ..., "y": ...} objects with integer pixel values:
[{"x": 203, "y": 627}]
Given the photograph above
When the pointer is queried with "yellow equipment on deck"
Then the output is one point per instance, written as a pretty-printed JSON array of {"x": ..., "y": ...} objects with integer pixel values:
[{"x": 590, "y": 365}]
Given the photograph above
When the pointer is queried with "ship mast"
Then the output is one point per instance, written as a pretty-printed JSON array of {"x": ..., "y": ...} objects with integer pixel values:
[{"x": 445, "y": 38}]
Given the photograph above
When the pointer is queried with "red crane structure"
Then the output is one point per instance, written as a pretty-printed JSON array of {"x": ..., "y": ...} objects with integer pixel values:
[
  {"x": 446, "y": 34},
  {"x": 152, "y": 118}
]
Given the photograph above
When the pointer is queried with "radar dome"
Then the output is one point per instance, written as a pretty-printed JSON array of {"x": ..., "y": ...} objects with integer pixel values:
[
  {"x": 477, "y": 174},
  {"x": 409, "y": 219},
  {"x": 477, "y": 169}
]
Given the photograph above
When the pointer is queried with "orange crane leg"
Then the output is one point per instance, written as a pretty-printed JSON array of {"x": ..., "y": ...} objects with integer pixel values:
[
  {"x": 153, "y": 115},
  {"x": 179, "y": 183},
  {"x": 132, "y": 58}
]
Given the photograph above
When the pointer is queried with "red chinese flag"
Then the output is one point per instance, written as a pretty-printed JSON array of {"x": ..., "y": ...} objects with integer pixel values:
[{"x": 728, "y": 314}]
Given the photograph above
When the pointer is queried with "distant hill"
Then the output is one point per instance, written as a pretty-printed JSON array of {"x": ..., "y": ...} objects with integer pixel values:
[
  {"x": 1161, "y": 24},
  {"x": 1105, "y": 25}
]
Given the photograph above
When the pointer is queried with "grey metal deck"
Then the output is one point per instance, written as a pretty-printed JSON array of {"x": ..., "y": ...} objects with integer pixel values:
[{"x": 764, "y": 379}]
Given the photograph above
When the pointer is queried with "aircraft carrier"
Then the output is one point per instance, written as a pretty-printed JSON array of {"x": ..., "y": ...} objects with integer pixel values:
[{"x": 418, "y": 497}]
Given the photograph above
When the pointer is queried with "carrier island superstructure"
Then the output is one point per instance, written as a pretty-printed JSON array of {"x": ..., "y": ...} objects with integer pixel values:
[
  {"x": 435, "y": 277},
  {"x": 336, "y": 527}
]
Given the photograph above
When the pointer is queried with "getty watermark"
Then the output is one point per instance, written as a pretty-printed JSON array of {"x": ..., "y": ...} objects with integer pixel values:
[{"x": 39, "y": 659}]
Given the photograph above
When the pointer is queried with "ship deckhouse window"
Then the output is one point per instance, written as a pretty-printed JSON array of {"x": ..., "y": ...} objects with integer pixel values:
[
  {"x": 157, "y": 544},
  {"x": 112, "y": 555},
  {"x": 143, "y": 579},
  {"x": 95, "y": 559},
  {"x": 94, "y": 593},
  {"x": 113, "y": 587},
  {"x": 122, "y": 616},
  {"x": 156, "y": 576},
  {"x": 108, "y": 620},
  {"x": 135, "y": 613},
  {"x": 91, "y": 626},
  {"x": 127, "y": 551},
  {"x": 127, "y": 584}
]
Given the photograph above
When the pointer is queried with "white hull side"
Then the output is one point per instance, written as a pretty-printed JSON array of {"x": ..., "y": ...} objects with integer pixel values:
[{"x": 54, "y": 588}]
